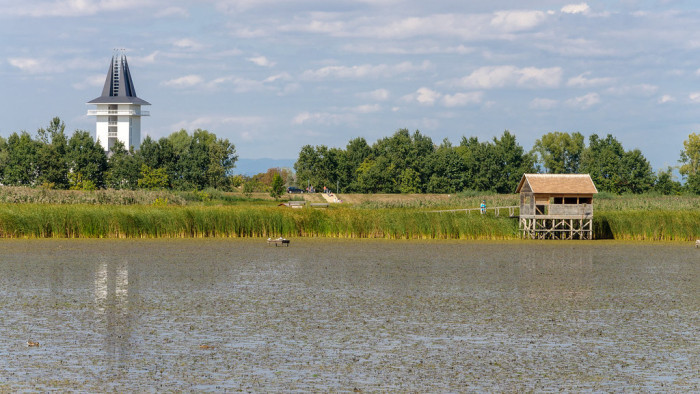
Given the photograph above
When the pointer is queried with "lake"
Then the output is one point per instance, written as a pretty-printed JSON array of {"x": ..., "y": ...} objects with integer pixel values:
[{"x": 348, "y": 315}]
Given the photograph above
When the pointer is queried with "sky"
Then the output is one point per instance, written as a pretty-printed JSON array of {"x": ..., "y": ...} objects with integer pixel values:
[{"x": 274, "y": 75}]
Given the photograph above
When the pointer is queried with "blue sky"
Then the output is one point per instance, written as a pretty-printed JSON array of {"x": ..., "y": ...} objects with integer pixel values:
[{"x": 272, "y": 76}]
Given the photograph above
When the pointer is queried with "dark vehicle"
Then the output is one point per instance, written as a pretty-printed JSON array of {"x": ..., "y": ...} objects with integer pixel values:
[{"x": 292, "y": 189}]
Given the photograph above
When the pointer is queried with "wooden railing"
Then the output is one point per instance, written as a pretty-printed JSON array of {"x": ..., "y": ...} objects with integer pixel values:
[{"x": 497, "y": 210}]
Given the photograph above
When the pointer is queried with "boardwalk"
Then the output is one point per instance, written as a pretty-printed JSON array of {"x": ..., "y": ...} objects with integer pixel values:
[{"x": 497, "y": 210}]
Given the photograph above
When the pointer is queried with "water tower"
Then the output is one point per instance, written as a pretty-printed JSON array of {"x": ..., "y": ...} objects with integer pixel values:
[{"x": 118, "y": 108}]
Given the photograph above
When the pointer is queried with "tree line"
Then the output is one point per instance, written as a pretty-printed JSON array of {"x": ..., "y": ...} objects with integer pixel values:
[
  {"x": 411, "y": 163},
  {"x": 52, "y": 160},
  {"x": 404, "y": 162}
]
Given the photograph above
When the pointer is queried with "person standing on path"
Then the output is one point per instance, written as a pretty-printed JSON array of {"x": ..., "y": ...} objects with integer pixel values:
[{"x": 483, "y": 206}]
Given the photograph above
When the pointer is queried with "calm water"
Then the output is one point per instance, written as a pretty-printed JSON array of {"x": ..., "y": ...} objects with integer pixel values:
[{"x": 337, "y": 315}]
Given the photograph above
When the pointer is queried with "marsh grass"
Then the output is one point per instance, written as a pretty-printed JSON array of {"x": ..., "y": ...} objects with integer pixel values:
[
  {"x": 98, "y": 221},
  {"x": 38, "y": 213},
  {"x": 645, "y": 202},
  {"x": 648, "y": 225},
  {"x": 28, "y": 195}
]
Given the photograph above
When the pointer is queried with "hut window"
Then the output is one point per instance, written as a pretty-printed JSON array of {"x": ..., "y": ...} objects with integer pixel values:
[
  {"x": 557, "y": 200},
  {"x": 585, "y": 200},
  {"x": 570, "y": 200}
]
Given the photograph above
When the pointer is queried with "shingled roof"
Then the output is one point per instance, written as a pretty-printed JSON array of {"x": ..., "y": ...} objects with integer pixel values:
[
  {"x": 119, "y": 88},
  {"x": 558, "y": 184}
]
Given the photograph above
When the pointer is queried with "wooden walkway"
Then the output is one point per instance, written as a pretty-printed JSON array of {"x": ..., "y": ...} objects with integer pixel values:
[{"x": 497, "y": 210}]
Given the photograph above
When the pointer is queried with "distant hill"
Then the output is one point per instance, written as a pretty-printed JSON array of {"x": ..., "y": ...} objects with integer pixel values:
[{"x": 251, "y": 167}]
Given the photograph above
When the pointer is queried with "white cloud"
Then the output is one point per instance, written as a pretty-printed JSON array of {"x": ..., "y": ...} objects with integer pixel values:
[
  {"x": 244, "y": 125},
  {"x": 172, "y": 12},
  {"x": 581, "y": 8},
  {"x": 323, "y": 118},
  {"x": 187, "y": 81},
  {"x": 468, "y": 26},
  {"x": 635, "y": 90},
  {"x": 189, "y": 44},
  {"x": 278, "y": 77},
  {"x": 694, "y": 97},
  {"x": 34, "y": 65},
  {"x": 26, "y": 64},
  {"x": 491, "y": 77},
  {"x": 364, "y": 71},
  {"x": 585, "y": 101},
  {"x": 377, "y": 95},
  {"x": 261, "y": 61},
  {"x": 666, "y": 99},
  {"x": 92, "y": 81},
  {"x": 581, "y": 81},
  {"x": 462, "y": 99},
  {"x": 410, "y": 48},
  {"x": 71, "y": 8},
  {"x": 367, "y": 108},
  {"x": 148, "y": 59},
  {"x": 511, "y": 21},
  {"x": 543, "y": 103},
  {"x": 240, "y": 85},
  {"x": 424, "y": 96}
]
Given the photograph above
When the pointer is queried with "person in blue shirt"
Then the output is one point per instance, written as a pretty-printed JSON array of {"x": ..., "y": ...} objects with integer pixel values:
[{"x": 483, "y": 206}]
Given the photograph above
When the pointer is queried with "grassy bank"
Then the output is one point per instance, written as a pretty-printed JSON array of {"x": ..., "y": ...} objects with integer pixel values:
[{"x": 138, "y": 221}]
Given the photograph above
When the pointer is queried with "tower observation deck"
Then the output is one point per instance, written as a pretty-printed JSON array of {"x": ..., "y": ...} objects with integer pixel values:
[{"x": 118, "y": 109}]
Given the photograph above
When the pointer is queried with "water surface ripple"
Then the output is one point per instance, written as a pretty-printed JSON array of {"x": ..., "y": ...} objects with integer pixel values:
[{"x": 340, "y": 315}]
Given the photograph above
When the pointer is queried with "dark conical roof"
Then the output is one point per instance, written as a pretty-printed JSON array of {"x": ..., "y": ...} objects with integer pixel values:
[{"x": 119, "y": 88}]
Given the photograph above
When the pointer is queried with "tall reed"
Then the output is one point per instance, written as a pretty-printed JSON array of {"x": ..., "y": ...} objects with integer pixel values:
[
  {"x": 136, "y": 221},
  {"x": 648, "y": 225}
]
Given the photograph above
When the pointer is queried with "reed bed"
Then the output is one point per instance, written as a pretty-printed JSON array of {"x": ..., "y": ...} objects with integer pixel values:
[
  {"x": 29, "y": 195},
  {"x": 99, "y": 221},
  {"x": 648, "y": 225},
  {"x": 645, "y": 202}
]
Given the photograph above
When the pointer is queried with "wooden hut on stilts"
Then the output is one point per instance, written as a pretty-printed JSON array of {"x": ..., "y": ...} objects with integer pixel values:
[{"x": 556, "y": 206}]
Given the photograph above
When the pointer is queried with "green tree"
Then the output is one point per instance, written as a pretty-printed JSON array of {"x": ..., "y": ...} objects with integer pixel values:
[
  {"x": 402, "y": 150},
  {"x": 693, "y": 183},
  {"x": 180, "y": 141},
  {"x": 77, "y": 181},
  {"x": 349, "y": 161},
  {"x": 559, "y": 153},
  {"x": 206, "y": 162},
  {"x": 318, "y": 166},
  {"x": 3, "y": 158},
  {"x": 410, "y": 181},
  {"x": 665, "y": 182},
  {"x": 153, "y": 179},
  {"x": 277, "y": 187},
  {"x": 615, "y": 170},
  {"x": 222, "y": 159},
  {"x": 52, "y": 148},
  {"x": 445, "y": 167},
  {"x": 690, "y": 155},
  {"x": 306, "y": 164},
  {"x": 85, "y": 156},
  {"x": 124, "y": 168},
  {"x": 375, "y": 176},
  {"x": 22, "y": 162},
  {"x": 601, "y": 159},
  {"x": 634, "y": 174},
  {"x": 249, "y": 187}
]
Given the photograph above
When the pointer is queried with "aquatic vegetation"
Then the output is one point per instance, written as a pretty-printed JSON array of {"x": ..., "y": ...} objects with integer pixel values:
[
  {"x": 648, "y": 225},
  {"x": 614, "y": 218},
  {"x": 139, "y": 221}
]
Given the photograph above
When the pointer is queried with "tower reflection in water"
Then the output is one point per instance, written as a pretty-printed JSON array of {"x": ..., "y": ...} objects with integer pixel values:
[{"x": 114, "y": 293}]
